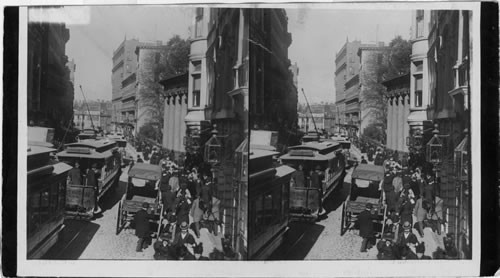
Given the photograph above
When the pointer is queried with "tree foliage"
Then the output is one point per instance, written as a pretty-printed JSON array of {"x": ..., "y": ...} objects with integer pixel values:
[
  {"x": 174, "y": 60},
  {"x": 148, "y": 130},
  {"x": 374, "y": 132}
]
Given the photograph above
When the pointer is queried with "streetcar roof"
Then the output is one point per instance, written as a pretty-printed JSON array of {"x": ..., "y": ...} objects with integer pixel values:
[
  {"x": 257, "y": 153},
  {"x": 311, "y": 156},
  {"x": 368, "y": 172},
  {"x": 84, "y": 154},
  {"x": 92, "y": 143},
  {"x": 145, "y": 171},
  {"x": 321, "y": 147},
  {"x": 32, "y": 150},
  {"x": 61, "y": 167}
]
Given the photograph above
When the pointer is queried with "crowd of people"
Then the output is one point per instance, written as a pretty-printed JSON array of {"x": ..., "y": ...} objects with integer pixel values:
[
  {"x": 190, "y": 209},
  {"x": 412, "y": 198}
]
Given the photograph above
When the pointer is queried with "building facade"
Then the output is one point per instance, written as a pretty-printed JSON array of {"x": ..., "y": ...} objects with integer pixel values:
[
  {"x": 347, "y": 65},
  {"x": 398, "y": 111},
  {"x": 217, "y": 99},
  {"x": 50, "y": 89},
  {"x": 176, "y": 102},
  {"x": 123, "y": 84},
  {"x": 274, "y": 95}
]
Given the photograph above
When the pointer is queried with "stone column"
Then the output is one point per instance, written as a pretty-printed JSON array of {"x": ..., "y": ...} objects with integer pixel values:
[
  {"x": 183, "y": 124},
  {"x": 402, "y": 118},
  {"x": 395, "y": 122},
  {"x": 389, "y": 123},
  {"x": 177, "y": 120},
  {"x": 405, "y": 124},
  {"x": 170, "y": 130}
]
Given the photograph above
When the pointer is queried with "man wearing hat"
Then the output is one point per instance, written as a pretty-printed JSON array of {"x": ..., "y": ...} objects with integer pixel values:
[
  {"x": 407, "y": 238},
  {"x": 141, "y": 220},
  {"x": 385, "y": 249},
  {"x": 366, "y": 231},
  {"x": 184, "y": 238},
  {"x": 363, "y": 160},
  {"x": 75, "y": 175}
]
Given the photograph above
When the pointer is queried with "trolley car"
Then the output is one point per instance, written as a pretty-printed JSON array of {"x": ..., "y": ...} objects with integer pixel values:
[
  {"x": 346, "y": 147},
  {"x": 365, "y": 188},
  {"x": 80, "y": 198},
  {"x": 306, "y": 202},
  {"x": 268, "y": 203},
  {"x": 46, "y": 187},
  {"x": 142, "y": 187}
]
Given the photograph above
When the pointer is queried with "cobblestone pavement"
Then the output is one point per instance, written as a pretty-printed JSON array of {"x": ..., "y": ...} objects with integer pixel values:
[
  {"x": 97, "y": 239},
  {"x": 322, "y": 240}
]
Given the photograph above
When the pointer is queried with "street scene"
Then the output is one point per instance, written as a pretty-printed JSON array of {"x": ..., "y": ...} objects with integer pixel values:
[
  {"x": 137, "y": 137},
  {"x": 359, "y": 145}
]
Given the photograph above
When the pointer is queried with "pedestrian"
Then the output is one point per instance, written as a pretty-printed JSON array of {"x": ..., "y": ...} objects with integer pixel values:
[
  {"x": 163, "y": 248},
  {"x": 139, "y": 159},
  {"x": 407, "y": 237},
  {"x": 141, "y": 220},
  {"x": 182, "y": 208},
  {"x": 405, "y": 210},
  {"x": 198, "y": 251},
  {"x": 75, "y": 175},
  {"x": 363, "y": 160},
  {"x": 174, "y": 180},
  {"x": 184, "y": 238},
  {"x": 366, "y": 230},
  {"x": 183, "y": 253},
  {"x": 385, "y": 250},
  {"x": 420, "y": 212}
]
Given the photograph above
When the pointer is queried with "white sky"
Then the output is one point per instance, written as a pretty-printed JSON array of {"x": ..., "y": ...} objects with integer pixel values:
[
  {"x": 317, "y": 34},
  {"x": 96, "y": 31}
]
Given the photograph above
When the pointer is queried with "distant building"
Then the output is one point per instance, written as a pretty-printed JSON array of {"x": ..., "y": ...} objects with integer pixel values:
[
  {"x": 124, "y": 82},
  {"x": 93, "y": 115},
  {"x": 49, "y": 84},
  {"x": 273, "y": 100},
  {"x": 347, "y": 65}
]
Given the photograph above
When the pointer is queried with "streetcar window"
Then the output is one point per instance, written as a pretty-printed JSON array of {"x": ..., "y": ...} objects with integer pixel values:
[
  {"x": 268, "y": 209},
  {"x": 44, "y": 205},
  {"x": 62, "y": 194},
  {"x": 54, "y": 199},
  {"x": 259, "y": 216}
]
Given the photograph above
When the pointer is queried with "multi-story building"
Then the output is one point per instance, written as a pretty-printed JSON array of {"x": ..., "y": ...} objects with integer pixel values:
[
  {"x": 123, "y": 82},
  {"x": 347, "y": 65},
  {"x": 50, "y": 90},
  {"x": 93, "y": 115},
  {"x": 218, "y": 97},
  {"x": 449, "y": 70},
  {"x": 274, "y": 95}
]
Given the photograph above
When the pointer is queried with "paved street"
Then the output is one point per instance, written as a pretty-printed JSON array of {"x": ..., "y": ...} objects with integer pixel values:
[
  {"x": 322, "y": 240},
  {"x": 97, "y": 239}
]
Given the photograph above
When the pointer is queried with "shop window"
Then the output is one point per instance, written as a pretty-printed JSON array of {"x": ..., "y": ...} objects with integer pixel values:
[
  {"x": 419, "y": 32},
  {"x": 196, "y": 90},
  {"x": 199, "y": 23},
  {"x": 418, "y": 91}
]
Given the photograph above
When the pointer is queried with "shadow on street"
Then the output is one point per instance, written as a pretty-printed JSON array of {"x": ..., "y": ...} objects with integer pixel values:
[
  {"x": 337, "y": 198},
  {"x": 299, "y": 240},
  {"x": 73, "y": 240},
  {"x": 113, "y": 196}
]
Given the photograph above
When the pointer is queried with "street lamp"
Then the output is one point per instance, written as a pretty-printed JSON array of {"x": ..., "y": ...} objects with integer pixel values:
[
  {"x": 213, "y": 149},
  {"x": 434, "y": 147}
]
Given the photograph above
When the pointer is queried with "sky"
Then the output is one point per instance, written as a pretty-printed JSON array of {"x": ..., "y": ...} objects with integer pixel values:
[
  {"x": 96, "y": 31},
  {"x": 317, "y": 34}
]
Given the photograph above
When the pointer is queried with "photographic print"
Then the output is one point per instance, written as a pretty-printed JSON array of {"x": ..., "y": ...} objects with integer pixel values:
[
  {"x": 359, "y": 141},
  {"x": 136, "y": 121},
  {"x": 321, "y": 139}
]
